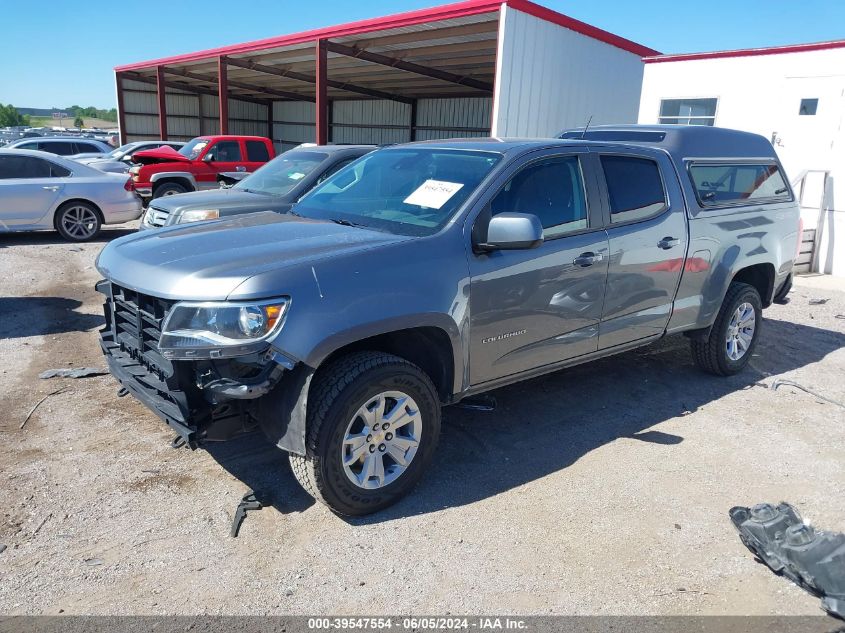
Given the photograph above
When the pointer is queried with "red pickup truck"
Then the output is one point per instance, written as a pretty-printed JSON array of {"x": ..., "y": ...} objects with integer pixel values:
[{"x": 199, "y": 164}]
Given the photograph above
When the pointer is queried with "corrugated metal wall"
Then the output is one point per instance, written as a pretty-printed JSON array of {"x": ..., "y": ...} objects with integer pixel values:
[
  {"x": 550, "y": 78},
  {"x": 382, "y": 122},
  {"x": 188, "y": 114},
  {"x": 354, "y": 121}
]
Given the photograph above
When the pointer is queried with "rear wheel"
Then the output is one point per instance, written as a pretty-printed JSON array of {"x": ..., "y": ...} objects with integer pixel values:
[
  {"x": 169, "y": 189},
  {"x": 732, "y": 339},
  {"x": 373, "y": 425},
  {"x": 78, "y": 221}
]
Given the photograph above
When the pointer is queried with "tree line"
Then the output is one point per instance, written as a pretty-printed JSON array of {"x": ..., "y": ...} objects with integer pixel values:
[{"x": 10, "y": 116}]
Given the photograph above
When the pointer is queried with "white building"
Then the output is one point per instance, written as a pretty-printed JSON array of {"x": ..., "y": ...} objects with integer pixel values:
[{"x": 794, "y": 95}]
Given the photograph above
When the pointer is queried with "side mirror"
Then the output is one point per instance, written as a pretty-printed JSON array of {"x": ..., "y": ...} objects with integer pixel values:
[
  {"x": 208, "y": 158},
  {"x": 512, "y": 231}
]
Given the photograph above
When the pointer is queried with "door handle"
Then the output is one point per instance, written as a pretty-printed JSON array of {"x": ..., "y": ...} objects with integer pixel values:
[
  {"x": 50, "y": 188},
  {"x": 587, "y": 259},
  {"x": 668, "y": 242}
]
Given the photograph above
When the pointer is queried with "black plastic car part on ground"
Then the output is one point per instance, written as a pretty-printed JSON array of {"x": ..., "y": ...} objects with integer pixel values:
[{"x": 814, "y": 560}]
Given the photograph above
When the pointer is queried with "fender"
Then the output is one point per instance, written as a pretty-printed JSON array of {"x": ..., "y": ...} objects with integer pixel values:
[{"x": 183, "y": 175}]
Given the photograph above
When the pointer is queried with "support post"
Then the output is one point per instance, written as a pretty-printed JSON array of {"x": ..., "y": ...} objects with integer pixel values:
[
  {"x": 322, "y": 118},
  {"x": 223, "y": 94},
  {"x": 270, "y": 120},
  {"x": 413, "y": 130},
  {"x": 121, "y": 110},
  {"x": 199, "y": 112},
  {"x": 161, "y": 92}
]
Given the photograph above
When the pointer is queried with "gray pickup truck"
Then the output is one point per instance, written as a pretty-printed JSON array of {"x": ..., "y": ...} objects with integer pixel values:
[{"x": 427, "y": 273}]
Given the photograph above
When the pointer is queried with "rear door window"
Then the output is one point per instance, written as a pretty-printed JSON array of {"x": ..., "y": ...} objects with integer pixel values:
[
  {"x": 57, "y": 147},
  {"x": 737, "y": 183},
  {"x": 84, "y": 148},
  {"x": 256, "y": 152},
  {"x": 634, "y": 187},
  {"x": 23, "y": 167}
]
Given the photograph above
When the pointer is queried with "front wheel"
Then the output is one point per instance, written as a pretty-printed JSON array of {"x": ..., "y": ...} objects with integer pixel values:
[
  {"x": 373, "y": 424},
  {"x": 169, "y": 189},
  {"x": 728, "y": 348}
]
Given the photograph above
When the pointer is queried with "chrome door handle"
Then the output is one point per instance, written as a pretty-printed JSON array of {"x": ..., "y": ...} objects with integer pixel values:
[
  {"x": 587, "y": 259},
  {"x": 50, "y": 188},
  {"x": 668, "y": 242}
]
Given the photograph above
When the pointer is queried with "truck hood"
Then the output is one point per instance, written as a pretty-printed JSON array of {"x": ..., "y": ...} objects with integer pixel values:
[
  {"x": 208, "y": 260},
  {"x": 163, "y": 154},
  {"x": 219, "y": 199}
]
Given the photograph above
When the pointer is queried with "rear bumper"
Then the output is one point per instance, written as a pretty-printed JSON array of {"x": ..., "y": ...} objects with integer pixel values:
[{"x": 122, "y": 212}]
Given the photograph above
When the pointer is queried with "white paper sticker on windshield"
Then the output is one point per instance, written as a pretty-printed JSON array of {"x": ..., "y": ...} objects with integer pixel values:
[
  {"x": 433, "y": 193},
  {"x": 296, "y": 176}
]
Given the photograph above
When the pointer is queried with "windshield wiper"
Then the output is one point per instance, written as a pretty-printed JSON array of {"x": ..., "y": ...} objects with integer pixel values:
[{"x": 343, "y": 222}]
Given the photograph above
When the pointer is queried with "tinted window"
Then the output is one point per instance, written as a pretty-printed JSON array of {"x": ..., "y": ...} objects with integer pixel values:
[
  {"x": 23, "y": 167},
  {"x": 256, "y": 152},
  {"x": 634, "y": 187},
  {"x": 57, "y": 171},
  {"x": 226, "y": 151},
  {"x": 808, "y": 107},
  {"x": 86, "y": 147},
  {"x": 27, "y": 146},
  {"x": 553, "y": 190},
  {"x": 718, "y": 184},
  {"x": 56, "y": 147},
  {"x": 407, "y": 190}
]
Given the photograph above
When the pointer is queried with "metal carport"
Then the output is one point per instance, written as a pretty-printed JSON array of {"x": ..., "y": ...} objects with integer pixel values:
[{"x": 419, "y": 75}]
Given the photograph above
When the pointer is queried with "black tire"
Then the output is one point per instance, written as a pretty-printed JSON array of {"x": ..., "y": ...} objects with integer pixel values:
[
  {"x": 78, "y": 221},
  {"x": 337, "y": 393},
  {"x": 711, "y": 354},
  {"x": 169, "y": 189}
]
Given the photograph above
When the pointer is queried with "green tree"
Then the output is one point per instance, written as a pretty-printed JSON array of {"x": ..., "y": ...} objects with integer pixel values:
[
  {"x": 9, "y": 115},
  {"x": 79, "y": 122}
]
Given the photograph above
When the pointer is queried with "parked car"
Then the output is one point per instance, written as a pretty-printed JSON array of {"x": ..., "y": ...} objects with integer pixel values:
[
  {"x": 274, "y": 187},
  {"x": 119, "y": 160},
  {"x": 198, "y": 164},
  {"x": 432, "y": 272},
  {"x": 44, "y": 191},
  {"x": 61, "y": 145}
]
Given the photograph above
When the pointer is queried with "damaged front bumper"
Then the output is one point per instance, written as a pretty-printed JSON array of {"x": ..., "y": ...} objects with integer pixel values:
[{"x": 201, "y": 400}]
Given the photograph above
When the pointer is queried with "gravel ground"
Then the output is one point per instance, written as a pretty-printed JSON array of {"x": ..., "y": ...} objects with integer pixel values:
[{"x": 602, "y": 489}]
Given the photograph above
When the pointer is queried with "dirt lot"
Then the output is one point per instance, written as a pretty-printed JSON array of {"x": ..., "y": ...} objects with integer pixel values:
[{"x": 603, "y": 489}]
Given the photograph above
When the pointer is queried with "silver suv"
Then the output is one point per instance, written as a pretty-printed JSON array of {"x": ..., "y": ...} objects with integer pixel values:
[{"x": 427, "y": 273}]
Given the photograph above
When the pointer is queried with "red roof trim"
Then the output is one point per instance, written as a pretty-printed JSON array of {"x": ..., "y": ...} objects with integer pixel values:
[
  {"x": 748, "y": 52},
  {"x": 538, "y": 11},
  {"x": 444, "y": 12}
]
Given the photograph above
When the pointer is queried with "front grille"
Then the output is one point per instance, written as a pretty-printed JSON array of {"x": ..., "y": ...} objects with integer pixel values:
[
  {"x": 137, "y": 320},
  {"x": 156, "y": 217},
  {"x": 130, "y": 342}
]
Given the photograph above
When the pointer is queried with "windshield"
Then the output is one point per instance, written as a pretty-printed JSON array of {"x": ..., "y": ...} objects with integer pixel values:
[
  {"x": 282, "y": 173},
  {"x": 192, "y": 149},
  {"x": 410, "y": 191},
  {"x": 118, "y": 152}
]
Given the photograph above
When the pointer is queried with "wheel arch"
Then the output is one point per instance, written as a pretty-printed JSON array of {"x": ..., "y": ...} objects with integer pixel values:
[
  {"x": 69, "y": 201},
  {"x": 761, "y": 277}
]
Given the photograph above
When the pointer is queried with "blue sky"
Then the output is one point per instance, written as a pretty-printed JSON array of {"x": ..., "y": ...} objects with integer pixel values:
[{"x": 64, "y": 55}]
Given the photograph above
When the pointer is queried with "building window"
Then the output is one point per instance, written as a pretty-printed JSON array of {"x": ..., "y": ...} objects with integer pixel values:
[
  {"x": 808, "y": 107},
  {"x": 688, "y": 111}
]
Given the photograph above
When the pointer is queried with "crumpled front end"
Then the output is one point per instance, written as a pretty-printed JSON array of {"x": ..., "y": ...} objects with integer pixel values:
[{"x": 201, "y": 400}]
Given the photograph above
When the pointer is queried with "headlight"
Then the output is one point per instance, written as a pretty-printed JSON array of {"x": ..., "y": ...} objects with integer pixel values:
[
  {"x": 197, "y": 215},
  {"x": 220, "y": 329}
]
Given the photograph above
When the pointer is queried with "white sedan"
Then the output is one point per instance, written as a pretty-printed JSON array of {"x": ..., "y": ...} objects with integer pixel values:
[{"x": 44, "y": 191}]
